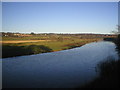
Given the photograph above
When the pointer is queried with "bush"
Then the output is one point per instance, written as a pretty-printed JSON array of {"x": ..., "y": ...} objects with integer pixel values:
[
  {"x": 117, "y": 42},
  {"x": 35, "y": 49},
  {"x": 108, "y": 68}
]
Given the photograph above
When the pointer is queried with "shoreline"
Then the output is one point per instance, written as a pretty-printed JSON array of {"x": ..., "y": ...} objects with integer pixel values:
[
  {"x": 53, "y": 51},
  {"x": 108, "y": 72}
]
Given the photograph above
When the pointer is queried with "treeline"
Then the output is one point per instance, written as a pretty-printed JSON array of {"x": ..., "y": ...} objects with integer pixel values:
[
  {"x": 62, "y": 34},
  {"x": 53, "y": 36}
]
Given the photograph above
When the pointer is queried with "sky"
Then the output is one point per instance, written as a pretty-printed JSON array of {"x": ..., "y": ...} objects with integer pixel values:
[
  {"x": 60, "y": 0},
  {"x": 59, "y": 17}
]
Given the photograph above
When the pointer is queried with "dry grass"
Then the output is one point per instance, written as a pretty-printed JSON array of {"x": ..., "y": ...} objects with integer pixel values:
[{"x": 23, "y": 41}]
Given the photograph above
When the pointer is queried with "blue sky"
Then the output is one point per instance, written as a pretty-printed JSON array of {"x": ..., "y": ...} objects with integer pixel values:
[{"x": 59, "y": 17}]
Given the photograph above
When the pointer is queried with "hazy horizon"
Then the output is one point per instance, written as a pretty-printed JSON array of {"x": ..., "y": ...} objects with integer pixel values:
[{"x": 60, "y": 17}]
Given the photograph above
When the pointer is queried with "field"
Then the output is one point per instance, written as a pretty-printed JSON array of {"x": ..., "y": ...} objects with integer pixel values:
[
  {"x": 23, "y": 41},
  {"x": 54, "y": 42}
]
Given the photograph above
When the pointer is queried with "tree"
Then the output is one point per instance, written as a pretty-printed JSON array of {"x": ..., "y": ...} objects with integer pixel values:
[
  {"x": 116, "y": 31},
  {"x": 32, "y": 33}
]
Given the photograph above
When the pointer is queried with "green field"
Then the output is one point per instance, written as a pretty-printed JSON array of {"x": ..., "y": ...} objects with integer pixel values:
[{"x": 56, "y": 43}]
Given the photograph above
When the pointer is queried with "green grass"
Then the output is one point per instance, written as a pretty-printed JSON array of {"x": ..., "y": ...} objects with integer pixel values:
[
  {"x": 12, "y": 51},
  {"x": 57, "y": 42},
  {"x": 57, "y": 45}
]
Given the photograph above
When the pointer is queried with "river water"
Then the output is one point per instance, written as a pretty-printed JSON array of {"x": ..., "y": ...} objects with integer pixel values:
[{"x": 63, "y": 69}]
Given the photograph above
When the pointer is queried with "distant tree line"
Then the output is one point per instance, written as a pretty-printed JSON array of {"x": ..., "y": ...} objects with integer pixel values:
[{"x": 57, "y": 36}]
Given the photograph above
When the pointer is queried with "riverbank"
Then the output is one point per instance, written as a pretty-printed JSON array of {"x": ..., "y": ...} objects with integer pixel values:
[
  {"x": 108, "y": 75},
  {"x": 108, "y": 72},
  {"x": 63, "y": 69},
  {"x": 20, "y": 49}
]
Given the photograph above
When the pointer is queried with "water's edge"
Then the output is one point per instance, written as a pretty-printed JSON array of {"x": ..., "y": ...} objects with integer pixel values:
[{"x": 62, "y": 69}]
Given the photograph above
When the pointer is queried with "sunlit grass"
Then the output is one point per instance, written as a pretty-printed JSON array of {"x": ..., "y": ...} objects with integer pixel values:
[{"x": 55, "y": 43}]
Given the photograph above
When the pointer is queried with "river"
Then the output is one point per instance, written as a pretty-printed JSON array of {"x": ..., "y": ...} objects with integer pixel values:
[{"x": 63, "y": 69}]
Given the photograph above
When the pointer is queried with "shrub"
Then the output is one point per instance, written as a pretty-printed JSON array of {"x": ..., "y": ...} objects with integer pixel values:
[
  {"x": 35, "y": 49},
  {"x": 108, "y": 68}
]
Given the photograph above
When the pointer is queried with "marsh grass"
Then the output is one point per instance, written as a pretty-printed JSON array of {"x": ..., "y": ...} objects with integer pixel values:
[
  {"x": 12, "y": 51},
  {"x": 108, "y": 68},
  {"x": 108, "y": 75}
]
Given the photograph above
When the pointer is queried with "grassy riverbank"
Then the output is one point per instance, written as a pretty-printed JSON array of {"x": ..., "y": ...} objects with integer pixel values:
[
  {"x": 19, "y": 49},
  {"x": 108, "y": 75},
  {"x": 18, "y": 46},
  {"x": 12, "y": 51}
]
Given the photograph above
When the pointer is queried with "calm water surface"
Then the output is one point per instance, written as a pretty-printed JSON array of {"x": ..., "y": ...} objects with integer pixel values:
[{"x": 62, "y": 69}]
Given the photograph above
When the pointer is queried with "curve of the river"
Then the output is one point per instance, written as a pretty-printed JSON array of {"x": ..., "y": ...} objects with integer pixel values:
[{"x": 63, "y": 69}]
